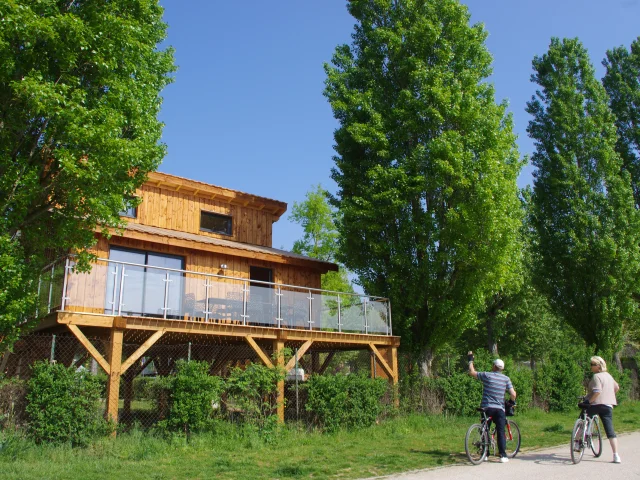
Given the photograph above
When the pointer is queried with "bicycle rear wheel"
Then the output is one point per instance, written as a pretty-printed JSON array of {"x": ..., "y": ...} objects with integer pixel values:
[
  {"x": 596, "y": 436},
  {"x": 476, "y": 444},
  {"x": 512, "y": 432},
  {"x": 577, "y": 441}
]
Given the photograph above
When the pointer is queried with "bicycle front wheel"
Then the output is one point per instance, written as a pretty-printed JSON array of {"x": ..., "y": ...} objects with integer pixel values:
[
  {"x": 596, "y": 436},
  {"x": 577, "y": 441},
  {"x": 512, "y": 432},
  {"x": 476, "y": 444}
]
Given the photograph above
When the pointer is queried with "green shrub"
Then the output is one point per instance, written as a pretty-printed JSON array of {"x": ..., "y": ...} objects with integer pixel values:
[
  {"x": 345, "y": 401},
  {"x": 462, "y": 393},
  {"x": 63, "y": 405},
  {"x": 559, "y": 382},
  {"x": 252, "y": 393},
  {"x": 193, "y": 393},
  {"x": 522, "y": 379},
  {"x": 143, "y": 388}
]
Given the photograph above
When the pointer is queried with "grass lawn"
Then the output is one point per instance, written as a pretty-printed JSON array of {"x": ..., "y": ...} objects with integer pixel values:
[{"x": 396, "y": 445}]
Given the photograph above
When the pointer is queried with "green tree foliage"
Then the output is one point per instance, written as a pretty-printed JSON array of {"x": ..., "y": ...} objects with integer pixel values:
[
  {"x": 426, "y": 166},
  {"x": 622, "y": 83},
  {"x": 63, "y": 406},
  {"x": 519, "y": 318},
  {"x": 320, "y": 239},
  {"x": 79, "y": 86},
  {"x": 582, "y": 202}
]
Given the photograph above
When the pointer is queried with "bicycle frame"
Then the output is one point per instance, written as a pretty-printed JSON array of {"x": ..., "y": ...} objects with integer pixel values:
[
  {"x": 486, "y": 422},
  {"x": 582, "y": 435}
]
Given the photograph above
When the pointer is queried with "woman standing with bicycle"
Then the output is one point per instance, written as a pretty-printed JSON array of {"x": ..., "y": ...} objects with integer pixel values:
[{"x": 601, "y": 397}]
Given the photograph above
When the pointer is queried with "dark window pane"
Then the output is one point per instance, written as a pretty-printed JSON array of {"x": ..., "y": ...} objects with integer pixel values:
[
  {"x": 131, "y": 212},
  {"x": 215, "y": 223}
]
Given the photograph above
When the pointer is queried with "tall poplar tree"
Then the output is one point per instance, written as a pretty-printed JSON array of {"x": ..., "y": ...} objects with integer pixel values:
[
  {"x": 426, "y": 166},
  {"x": 583, "y": 205},
  {"x": 79, "y": 98},
  {"x": 622, "y": 83}
]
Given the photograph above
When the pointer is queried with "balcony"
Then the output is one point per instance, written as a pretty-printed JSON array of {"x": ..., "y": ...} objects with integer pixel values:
[{"x": 132, "y": 290}]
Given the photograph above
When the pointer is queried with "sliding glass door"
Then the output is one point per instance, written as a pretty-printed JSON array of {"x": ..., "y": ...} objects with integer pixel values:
[{"x": 142, "y": 290}]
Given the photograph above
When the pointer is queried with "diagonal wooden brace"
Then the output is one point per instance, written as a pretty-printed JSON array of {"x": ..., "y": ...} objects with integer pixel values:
[
  {"x": 301, "y": 351},
  {"x": 382, "y": 361},
  {"x": 140, "y": 351},
  {"x": 90, "y": 348},
  {"x": 259, "y": 351}
]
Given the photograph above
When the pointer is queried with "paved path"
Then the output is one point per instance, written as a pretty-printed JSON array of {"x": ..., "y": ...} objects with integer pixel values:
[{"x": 548, "y": 464}]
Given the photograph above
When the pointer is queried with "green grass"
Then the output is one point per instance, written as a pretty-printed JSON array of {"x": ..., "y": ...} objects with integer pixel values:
[{"x": 396, "y": 445}]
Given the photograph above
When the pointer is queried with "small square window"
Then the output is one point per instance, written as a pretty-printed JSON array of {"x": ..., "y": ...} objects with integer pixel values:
[
  {"x": 129, "y": 211},
  {"x": 215, "y": 223}
]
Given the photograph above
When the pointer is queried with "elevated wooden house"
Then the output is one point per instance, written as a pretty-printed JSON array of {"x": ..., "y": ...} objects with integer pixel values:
[{"x": 195, "y": 264}]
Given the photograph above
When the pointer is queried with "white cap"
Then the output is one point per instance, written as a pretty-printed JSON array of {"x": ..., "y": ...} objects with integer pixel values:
[{"x": 498, "y": 363}]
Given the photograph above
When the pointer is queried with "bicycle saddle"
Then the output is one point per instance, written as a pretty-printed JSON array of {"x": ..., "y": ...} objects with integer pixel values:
[{"x": 584, "y": 405}]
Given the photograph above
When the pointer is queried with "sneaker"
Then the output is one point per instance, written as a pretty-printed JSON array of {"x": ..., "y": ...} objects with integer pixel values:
[
  {"x": 616, "y": 458},
  {"x": 504, "y": 459},
  {"x": 486, "y": 458}
]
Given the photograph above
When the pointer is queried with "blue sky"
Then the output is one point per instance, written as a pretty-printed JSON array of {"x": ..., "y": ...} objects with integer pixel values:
[{"x": 246, "y": 110}]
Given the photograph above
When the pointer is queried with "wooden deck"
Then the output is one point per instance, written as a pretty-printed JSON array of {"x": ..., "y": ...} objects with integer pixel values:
[{"x": 115, "y": 331}]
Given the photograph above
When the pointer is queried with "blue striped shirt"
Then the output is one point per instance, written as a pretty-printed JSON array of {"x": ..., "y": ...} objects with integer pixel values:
[{"x": 495, "y": 385}]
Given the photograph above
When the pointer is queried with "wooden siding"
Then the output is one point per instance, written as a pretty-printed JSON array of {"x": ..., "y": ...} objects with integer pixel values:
[
  {"x": 205, "y": 262},
  {"x": 180, "y": 211}
]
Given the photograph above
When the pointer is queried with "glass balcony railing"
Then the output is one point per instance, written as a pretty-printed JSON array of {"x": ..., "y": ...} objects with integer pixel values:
[{"x": 129, "y": 289}]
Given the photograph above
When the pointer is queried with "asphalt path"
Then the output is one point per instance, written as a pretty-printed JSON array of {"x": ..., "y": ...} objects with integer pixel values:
[{"x": 546, "y": 464}]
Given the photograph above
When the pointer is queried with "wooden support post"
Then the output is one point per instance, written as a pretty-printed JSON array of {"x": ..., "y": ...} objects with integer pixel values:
[
  {"x": 278, "y": 347},
  {"x": 315, "y": 362},
  {"x": 113, "y": 383},
  {"x": 394, "y": 367}
]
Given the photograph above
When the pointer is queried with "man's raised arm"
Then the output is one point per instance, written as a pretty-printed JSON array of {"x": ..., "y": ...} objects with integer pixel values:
[{"x": 472, "y": 370}]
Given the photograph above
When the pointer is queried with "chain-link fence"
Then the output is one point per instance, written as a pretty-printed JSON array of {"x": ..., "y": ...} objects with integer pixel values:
[{"x": 142, "y": 400}]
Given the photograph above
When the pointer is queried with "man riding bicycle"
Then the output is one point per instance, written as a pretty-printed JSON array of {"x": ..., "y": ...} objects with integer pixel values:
[{"x": 494, "y": 385}]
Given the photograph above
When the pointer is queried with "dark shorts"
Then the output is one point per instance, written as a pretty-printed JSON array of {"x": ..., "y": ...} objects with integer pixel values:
[{"x": 606, "y": 415}]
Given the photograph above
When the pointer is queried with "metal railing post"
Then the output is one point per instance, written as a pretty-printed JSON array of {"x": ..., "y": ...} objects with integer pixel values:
[
  {"x": 279, "y": 309},
  {"x": 120, "y": 304},
  {"x": 166, "y": 295},
  {"x": 244, "y": 303},
  {"x": 67, "y": 269},
  {"x": 366, "y": 320},
  {"x": 339, "y": 315},
  {"x": 51, "y": 288},
  {"x": 38, "y": 302},
  {"x": 206, "y": 300},
  {"x": 115, "y": 290},
  {"x": 310, "y": 297},
  {"x": 189, "y": 353}
]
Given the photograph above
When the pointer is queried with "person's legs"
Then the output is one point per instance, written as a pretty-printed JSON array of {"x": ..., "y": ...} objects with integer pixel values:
[
  {"x": 499, "y": 418},
  {"x": 606, "y": 416}
]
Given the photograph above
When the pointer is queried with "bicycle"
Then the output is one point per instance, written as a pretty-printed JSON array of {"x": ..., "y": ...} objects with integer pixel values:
[
  {"x": 586, "y": 433},
  {"x": 481, "y": 438}
]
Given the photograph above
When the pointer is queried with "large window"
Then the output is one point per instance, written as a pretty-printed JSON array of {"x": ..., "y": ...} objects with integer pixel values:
[
  {"x": 144, "y": 291},
  {"x": 215, "y": 223}
]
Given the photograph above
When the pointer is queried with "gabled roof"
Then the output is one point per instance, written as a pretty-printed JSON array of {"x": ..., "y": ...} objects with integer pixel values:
[
  {"x": 206, "y": 190},
  {"x": 226, "y": 247}
]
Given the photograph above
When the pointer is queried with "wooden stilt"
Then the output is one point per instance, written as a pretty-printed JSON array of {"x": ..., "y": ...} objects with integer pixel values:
[
  {"x": 278, "y": 347},
  {"x": 113, "y": 384}
]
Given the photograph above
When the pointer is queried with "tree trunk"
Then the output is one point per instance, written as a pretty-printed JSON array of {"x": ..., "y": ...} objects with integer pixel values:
[
  {"x": 492, "y": 344},
  {"x": 426, "y": 362},
  {"x": 617, "y": 360}
]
